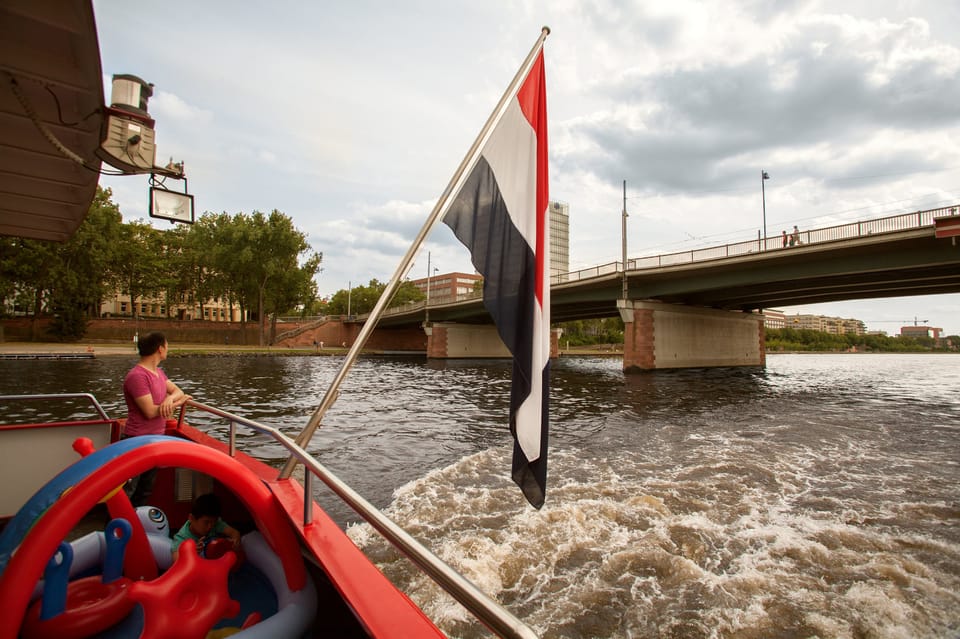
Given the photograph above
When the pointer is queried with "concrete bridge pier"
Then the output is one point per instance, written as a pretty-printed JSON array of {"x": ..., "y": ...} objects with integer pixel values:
[
  {"x": 449, "y": 340},
  {"x": 658, "y": 335}
]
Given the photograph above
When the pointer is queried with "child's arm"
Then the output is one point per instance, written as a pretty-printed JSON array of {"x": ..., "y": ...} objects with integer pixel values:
[{"x": 232, "y": 533}]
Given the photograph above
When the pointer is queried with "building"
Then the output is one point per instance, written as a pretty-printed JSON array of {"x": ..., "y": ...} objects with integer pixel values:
[
  {"x": 773, "y": 318},
  {"x": 449, "y": 287},
  {"x": 920, "y": 331},
  {"x": 559, "y": 239},
  {"x": 822, "y": 323},
  {"x": 215, "y": 310}
]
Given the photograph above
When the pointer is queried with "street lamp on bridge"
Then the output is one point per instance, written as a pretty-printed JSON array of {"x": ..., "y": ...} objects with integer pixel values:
[
  {"x": 426, "y": 311},
  {"x": 623, "y": 237},
  {"x": 764, "y": 176}
]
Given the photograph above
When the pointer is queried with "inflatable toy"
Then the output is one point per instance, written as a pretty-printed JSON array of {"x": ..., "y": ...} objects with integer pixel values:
[{"x": 37, "y": 530}]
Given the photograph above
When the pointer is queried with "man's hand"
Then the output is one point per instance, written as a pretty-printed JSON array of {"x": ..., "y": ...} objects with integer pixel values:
[{"x": 166, "y": 407}]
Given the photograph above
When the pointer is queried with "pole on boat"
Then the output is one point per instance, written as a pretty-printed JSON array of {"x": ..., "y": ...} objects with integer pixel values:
[{"x": 439, "y": 210}]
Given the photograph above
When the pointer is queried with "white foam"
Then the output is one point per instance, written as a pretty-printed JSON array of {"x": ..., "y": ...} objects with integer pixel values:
[{"x": 709, "y": 549}]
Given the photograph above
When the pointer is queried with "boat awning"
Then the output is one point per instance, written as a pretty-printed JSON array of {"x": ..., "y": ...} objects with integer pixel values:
[{"x": 50, "y": 73}]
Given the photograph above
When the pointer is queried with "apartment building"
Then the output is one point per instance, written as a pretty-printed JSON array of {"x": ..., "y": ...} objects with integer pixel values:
[
  {"x": 215, "y": 310},
  {"x": 448, "y": 287},
  {"x": 559, "y": 239},
  {"x": 822, "y": 323}
]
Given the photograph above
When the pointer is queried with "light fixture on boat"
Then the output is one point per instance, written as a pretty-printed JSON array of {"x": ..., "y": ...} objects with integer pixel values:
[
  {"x": 170, "y": 205},
  {"x": 128, "y": 139},
  {"x": 129, "y": 144}
]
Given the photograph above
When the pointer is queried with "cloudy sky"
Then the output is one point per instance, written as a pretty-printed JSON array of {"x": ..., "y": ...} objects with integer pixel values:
[{"x": 351, "y": 118}]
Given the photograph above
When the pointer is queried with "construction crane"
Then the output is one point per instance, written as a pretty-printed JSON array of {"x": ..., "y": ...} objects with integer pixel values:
[{"x": 916, "y": 322}]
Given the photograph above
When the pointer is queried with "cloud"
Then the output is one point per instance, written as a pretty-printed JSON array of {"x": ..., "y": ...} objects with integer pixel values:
[
  {"x": 680, "y": 125},
  {"x": 167, "y": 106}
]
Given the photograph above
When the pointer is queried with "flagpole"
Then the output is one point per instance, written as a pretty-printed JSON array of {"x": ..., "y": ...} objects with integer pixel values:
[{"x": 439, "y": 210}]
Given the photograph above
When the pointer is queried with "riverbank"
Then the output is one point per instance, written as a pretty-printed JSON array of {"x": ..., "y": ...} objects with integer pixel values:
[
  {"x": 51, "y": 350},
  {"x": 111, "y": 349}
]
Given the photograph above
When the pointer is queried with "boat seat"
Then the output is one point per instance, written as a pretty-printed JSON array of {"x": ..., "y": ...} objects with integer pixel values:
[{"x": 30, "y": 454}]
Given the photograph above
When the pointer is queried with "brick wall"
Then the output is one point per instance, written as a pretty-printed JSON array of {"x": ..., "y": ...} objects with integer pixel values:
[
  {"x": 639, "y": 343},
  {"x": 122, "y": 330}
]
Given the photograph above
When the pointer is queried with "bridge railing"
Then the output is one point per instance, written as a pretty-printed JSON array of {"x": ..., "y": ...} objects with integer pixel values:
[
  {"x": 435, "y": 301},
  {"x": 852, "y": 230}
]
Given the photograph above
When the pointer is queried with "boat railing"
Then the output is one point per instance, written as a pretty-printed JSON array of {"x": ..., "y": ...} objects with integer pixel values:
[
  {"x": 497, "y": 618},
  {"x": 59, "y": 396}
]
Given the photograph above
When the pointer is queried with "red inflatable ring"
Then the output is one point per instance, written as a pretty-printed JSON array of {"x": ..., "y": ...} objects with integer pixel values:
[
  {"x": 92, "y": 607},
  {"x": 42, "y": 540}
]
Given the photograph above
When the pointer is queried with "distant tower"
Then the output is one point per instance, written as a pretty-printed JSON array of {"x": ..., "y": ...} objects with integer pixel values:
[{"x": 559, "y": 239}]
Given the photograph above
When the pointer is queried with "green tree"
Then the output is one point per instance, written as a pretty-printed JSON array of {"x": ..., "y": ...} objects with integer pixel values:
[
  {"x": 293, "y": 290},
  {"x": 790, "y": 339},
  {"x": 607, "y": 330},
  {"x": 221, "y": 238},
  {"x": 231, "y": 259},
  {"x": 142, "y": 256},
  {"x": 68, "y": 279},
  {"x": 25, "y": 266},
  {"x": 406, "y": 293},
  {"x": 198, "y": 278},
  {"x": 362, "y": 299},
  {"x": 276, "y": 247},
  {"x": 257, "y": 263}
]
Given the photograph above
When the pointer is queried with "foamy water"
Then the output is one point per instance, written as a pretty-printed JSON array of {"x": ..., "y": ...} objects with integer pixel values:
[{"x": 804, "y": 509}]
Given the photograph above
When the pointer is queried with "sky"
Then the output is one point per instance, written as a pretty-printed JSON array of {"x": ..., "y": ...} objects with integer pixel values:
[{"x": 351, "y": 118}]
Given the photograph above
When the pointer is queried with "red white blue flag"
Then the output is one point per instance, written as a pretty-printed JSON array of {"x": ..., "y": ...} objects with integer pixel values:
[{"x": 501, "y": 215}]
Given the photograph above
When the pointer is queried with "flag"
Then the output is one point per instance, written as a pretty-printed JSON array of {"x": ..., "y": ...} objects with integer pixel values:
[{"x": 501, "y": 215}]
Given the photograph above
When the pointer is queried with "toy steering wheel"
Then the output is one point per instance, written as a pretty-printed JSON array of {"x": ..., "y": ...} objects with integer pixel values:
[{"x": 187, "y": 599}]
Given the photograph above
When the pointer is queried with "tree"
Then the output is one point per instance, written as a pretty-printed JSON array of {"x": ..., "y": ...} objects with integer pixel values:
[
  {"x": 276, "y": 249},
  {"x": 293, "y": 288},
  {"x": 25, "y": 268},
  {"x": 199, "y": 278},
  {"x": 221, "y": 239},
  {"x": 231, "y": 259},
  {"x": 68, "y": 279},
  {"x": 254, "y": 261},
  {"x": 259, "y": 256},
  {"x": 406, "y": 293},
  {"x": 607, "y": 330},
  {"x": 362, "y": 299},
  {"x": 141, "y": 253}
]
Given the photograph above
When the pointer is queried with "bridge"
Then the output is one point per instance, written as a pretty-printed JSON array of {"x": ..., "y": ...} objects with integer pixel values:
[{"x": 703, "y": 307}]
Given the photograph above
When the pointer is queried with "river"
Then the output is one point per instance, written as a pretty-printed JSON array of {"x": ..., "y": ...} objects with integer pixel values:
[{"x": 815, "y": 498}]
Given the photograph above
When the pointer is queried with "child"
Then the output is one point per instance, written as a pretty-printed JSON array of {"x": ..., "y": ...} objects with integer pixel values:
[{"x": 203, "y": 525}]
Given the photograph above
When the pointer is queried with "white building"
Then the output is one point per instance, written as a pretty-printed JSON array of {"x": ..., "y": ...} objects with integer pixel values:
[{"x": 559, "y": 238}]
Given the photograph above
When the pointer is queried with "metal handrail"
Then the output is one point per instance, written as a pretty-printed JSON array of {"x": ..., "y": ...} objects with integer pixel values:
[
  {"x": 88, "y": 396},
  {"x": 493, "y": 615}
]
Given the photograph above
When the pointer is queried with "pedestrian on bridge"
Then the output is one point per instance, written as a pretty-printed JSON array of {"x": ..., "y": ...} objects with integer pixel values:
[
  {"x": 795, "y": 236},
  {"x": 784, "y": 239}
]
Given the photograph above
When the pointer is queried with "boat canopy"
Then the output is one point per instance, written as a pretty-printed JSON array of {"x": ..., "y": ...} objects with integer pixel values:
[{"x": 52, "y": 80}]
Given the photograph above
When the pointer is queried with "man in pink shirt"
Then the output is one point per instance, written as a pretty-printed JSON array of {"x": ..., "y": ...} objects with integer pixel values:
[{"x": 151, "y": 398}]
